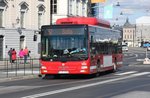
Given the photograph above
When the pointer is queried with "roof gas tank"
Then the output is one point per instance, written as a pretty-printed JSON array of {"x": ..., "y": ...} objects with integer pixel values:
[{"x": 84, "y": 20}]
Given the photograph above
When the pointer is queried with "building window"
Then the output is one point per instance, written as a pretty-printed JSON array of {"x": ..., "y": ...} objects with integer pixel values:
[
  {"x": 3, "y": 3},
  {"x": 41, "y": 10},
  {"x": 83, "y": 8},
  {"x": 70, "y": 7},
  {"x": 1, "y": 17},
  {"x": 39, "y": 20},
  {"x": 130, "y": 30},
  {"x": 125, "y": 37},
  {"x": 54, "y": 6},
  {"x": 1, "y": 46},
  {"x": 77, "y": 7},
  {"x": 23, "y": 10},
  {"x": 41, "y": 0},
  {"x": 130, "y": 36},
  {"x": 3, "y": 6},
  {"x": 22, "y": 19},
  {"x": 22, "y": 42}
]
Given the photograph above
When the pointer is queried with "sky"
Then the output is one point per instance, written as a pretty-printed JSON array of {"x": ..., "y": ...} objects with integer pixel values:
[{"x": 131, "y": 9}]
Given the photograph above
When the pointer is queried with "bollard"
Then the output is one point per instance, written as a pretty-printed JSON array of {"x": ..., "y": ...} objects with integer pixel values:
[
  {"x": 7, "y": 68},
  {"x": 32, "y": 66},
  {"x": 24, "y": 68},
  {"x": 146, "y": 61},
  {"x": 16, "y": 68}
]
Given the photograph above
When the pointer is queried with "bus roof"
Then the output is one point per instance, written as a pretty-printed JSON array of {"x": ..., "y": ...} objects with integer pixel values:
[{"x": 84, "y": 20}]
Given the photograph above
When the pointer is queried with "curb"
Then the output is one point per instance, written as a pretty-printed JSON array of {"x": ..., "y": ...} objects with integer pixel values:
[{"x": 18, "y": 78}]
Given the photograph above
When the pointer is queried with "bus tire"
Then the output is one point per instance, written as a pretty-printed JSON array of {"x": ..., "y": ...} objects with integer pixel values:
[{"x": 48, "y": 76}]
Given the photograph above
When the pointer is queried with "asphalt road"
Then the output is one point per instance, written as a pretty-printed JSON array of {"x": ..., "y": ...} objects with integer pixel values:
[{"x": 127, "y": 82}]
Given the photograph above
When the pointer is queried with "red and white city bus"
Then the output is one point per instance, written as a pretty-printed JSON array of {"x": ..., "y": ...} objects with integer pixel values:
[{"x": 79, "y": 45}]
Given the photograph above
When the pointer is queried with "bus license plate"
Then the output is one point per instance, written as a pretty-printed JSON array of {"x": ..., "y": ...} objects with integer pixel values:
[{"x": 63, "y": 72}]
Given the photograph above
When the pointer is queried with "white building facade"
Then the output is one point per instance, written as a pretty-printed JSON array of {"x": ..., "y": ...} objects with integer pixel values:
[
  {"x": 20, "y": 21},
  {"x": 143, "y": 29},
  {"x": 69, "y": 8}
]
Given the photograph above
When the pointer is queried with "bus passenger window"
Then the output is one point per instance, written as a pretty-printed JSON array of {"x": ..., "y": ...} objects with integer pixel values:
[{"x": 91, "y": 39}]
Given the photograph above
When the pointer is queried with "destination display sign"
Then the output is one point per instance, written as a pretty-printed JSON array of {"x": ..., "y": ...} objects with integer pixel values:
[{"x": 64, "y": 31}]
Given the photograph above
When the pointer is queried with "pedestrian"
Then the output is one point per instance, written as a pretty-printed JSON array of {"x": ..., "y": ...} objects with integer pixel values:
[
  {"x": 29, "y": 53},
  {"x": 14, "y": 55},
  {"x": 10, "y": 55},
  {"x": 26, "y": 51},
  {"x": 21, "y": 55}
]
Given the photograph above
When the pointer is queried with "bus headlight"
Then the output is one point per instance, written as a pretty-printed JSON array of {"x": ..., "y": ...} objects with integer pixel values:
[
  {"x": 84, "y": 67},
  {"x": 43, "y": 67},
  {"x": 44, "y": 70}
]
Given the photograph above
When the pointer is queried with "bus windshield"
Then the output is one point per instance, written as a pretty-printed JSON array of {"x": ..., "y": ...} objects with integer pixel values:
[{"x": 69, "y": 47}]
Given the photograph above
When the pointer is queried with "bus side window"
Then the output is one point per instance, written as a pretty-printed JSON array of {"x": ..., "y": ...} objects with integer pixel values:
[
  {"x": 91, "y": 44},
  {"x": 91, "y": 41}
]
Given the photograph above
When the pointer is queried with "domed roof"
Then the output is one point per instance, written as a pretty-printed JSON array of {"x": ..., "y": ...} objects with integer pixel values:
[{"x": 127, "y": 24}]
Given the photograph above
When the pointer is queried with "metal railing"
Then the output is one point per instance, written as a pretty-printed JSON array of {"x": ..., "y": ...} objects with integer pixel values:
[{"x": 19, "y": 68}]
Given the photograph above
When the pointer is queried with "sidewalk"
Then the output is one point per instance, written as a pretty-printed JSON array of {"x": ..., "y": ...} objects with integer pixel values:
[
  {"x": 18, "y": 78},
  {"x": 19, "y": 71},
  {"x": 29, "y": 62}
]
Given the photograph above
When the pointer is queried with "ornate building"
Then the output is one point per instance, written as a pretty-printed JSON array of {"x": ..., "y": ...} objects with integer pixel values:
[
  {"x": 143, "y": 30},
  {"x": 129, "y": 35}
]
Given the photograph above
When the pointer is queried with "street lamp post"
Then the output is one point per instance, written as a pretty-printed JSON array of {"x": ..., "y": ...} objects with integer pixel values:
[
  {"x": 133, "y": 37},
  {"x": 89, "y": 8},
  {"x": 141, "y": 36}
]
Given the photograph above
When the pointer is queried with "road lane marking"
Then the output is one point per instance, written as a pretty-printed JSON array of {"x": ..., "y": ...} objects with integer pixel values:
[
  {"x": 125, "y": 73},
  {"x": 83, "y": 86},
  {"x": 140, "y": 74},
  {"x": 134, "y": 94}
]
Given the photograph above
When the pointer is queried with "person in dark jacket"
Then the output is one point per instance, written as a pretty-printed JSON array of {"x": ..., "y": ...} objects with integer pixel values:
[{"x": 10, "y": 55}]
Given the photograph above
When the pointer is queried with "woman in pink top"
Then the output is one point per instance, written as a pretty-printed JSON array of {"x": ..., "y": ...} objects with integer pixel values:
[{"x": 21, "y": 54}]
